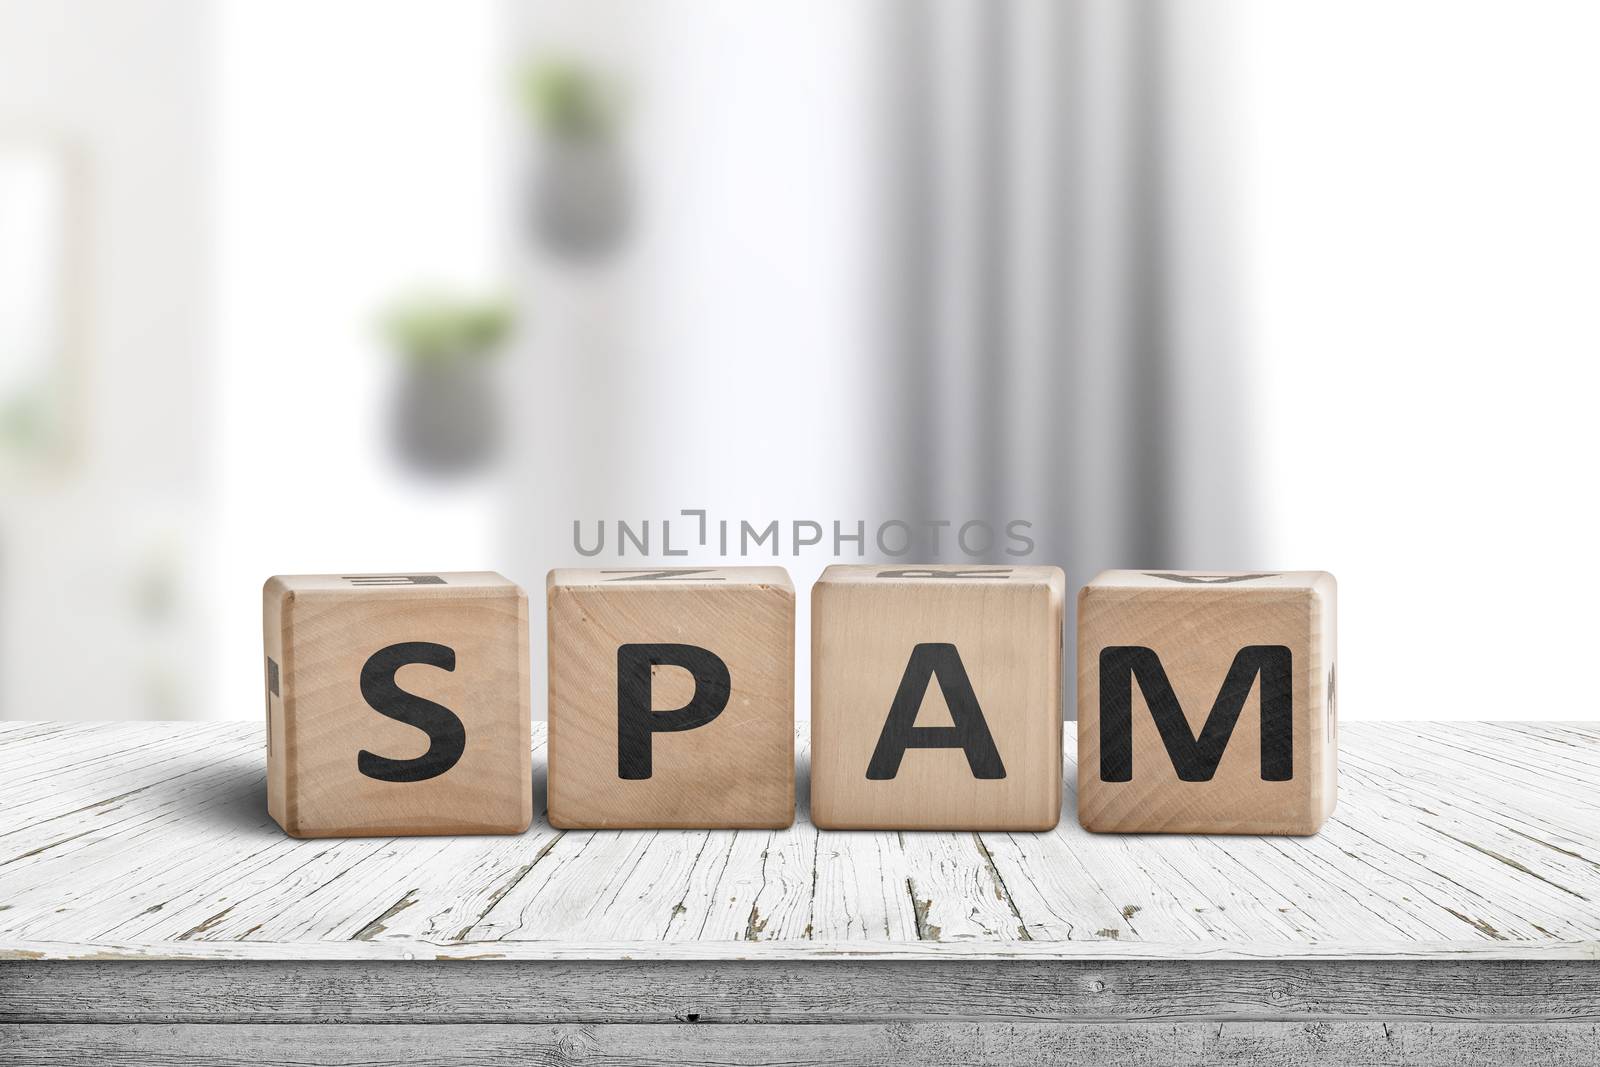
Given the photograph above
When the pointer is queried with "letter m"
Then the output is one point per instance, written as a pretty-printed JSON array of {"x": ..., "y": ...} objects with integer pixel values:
[{"x": 1196, "y": 758}]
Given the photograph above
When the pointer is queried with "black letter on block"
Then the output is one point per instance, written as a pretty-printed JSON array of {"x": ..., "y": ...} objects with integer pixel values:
[
  {"x": 447, "y": 736},
  {"x": 636, "y": 722},
  {"x": 1195, "y": 758},
  {"x": 970, "y": 732}
]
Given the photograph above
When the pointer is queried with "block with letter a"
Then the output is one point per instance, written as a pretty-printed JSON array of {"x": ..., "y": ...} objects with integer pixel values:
[
  {"x": 397, "y": 704},
  {"x": 1206, "y": 702},
  {"x": 671, "y": 698},
  {"x": 936, "y": 697}
]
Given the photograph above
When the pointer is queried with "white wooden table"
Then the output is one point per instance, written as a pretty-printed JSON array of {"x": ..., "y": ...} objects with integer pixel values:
[{"x": 151, "y": 912}]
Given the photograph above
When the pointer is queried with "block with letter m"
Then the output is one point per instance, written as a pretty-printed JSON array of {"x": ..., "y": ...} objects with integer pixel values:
[{"x": 1205, "y": 702}]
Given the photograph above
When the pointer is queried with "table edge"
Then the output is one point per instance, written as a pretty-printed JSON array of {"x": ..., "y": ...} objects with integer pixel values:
[{"x": 555, "y": 951}]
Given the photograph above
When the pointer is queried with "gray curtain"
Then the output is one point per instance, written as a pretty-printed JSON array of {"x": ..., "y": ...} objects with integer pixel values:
[
  {"x": 1061, "y": 269},
  {"x": 1061, "y": 272}
]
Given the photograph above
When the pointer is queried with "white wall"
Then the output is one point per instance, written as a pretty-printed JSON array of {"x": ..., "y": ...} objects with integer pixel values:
[
  {"x": 359, "y": 157},
  {"x": 103, "y": 587},
  {"x": 1422, "y": 217}
]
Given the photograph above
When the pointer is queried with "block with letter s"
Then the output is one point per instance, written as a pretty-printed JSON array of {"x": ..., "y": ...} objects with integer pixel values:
[{"x": 397, "y": 704}]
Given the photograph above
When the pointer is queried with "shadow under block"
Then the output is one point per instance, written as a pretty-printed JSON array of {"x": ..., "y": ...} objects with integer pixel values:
[
  {"x": 397, "y": 705},
  {"x": 671, "y": 698},
  {"x": 936, "y": 697},
  {"x": 1206, "y": 702}
]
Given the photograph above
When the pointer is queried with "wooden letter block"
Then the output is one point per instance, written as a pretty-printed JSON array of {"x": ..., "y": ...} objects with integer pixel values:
[
  {"x": 671, "y": 698},
  {"x": 936, "y": 697},
  {"x": 1206, "y": 702},
  {"x": 397, "y": 704}
]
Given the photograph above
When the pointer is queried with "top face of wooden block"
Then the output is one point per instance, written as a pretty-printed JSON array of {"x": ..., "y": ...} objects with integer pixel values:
[
  {"x": 633, "y": 578},
  {"x": 943, "y": 574},
  {"x": 409, "y": 584},
  {"x": 1320, "y": 582}
]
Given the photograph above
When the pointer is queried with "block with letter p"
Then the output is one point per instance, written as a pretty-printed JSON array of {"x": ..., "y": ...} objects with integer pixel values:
[
  {"x": 936, "y": 697},
  {"x": 671, "y": 698},
  {"x": 397, "y": 704},
  {"x": 1206, "y": 702}
]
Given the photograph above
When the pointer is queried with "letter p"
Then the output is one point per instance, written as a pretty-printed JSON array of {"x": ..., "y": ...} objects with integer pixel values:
[{"x": 636, "y": 722}]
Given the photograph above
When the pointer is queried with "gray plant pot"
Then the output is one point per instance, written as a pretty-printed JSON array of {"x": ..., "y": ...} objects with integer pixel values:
[
  {"x": 581, "y": 202},
  {"x": 445, "y": 418}
]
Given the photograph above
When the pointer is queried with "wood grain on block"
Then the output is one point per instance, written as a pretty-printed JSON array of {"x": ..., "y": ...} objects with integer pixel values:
[
  {"x": 397, "y": 704},
  {"x": 671, "y": 698},
  {"x": 936, "y": 697},
  {"x": 1206, "y": 702}
]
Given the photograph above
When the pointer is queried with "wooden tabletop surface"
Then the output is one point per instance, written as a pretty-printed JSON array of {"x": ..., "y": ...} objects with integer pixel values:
[{"x": 152, "y": 841}]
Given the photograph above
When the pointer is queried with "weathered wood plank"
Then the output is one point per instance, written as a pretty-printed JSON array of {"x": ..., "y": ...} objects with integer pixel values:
[
  {"x": 1473, "y": 835},
  {"x": 1532, "y": 757},
  {"x": 110, "y": 770},
  {"x": 151, "y": 840},
  {"x": 878, "y": 1044},
  {"x": 1493, "y": 768},
  {"x": 406, "y": 949},
  {"x": 754, "y": 885},
  {"x": 117, "y": 852},
  {"x": 595, "y": 881},
  {"x": 61, "y": 808},
  {"x": 1430, "y": 758},
  {"x": 443, "y": 900},
  {"x": 955, "y": 893},
  {"x": 1054, "y": 891},
  {"x": 785, "y": 991},
  {"x": 862, "y": 889},
  {"x": 783, "y": 905}
]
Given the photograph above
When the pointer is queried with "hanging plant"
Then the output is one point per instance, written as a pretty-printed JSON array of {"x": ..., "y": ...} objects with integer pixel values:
[
  {"x": 445, "y": 421},
  {"x": 581, "y": 200}
]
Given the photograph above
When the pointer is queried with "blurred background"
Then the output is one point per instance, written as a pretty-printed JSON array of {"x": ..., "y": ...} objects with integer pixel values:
[{"x": 412, "y": 286}]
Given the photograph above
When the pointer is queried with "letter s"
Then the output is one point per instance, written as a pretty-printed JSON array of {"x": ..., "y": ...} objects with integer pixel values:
[{"x": 445, "y": 731}]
